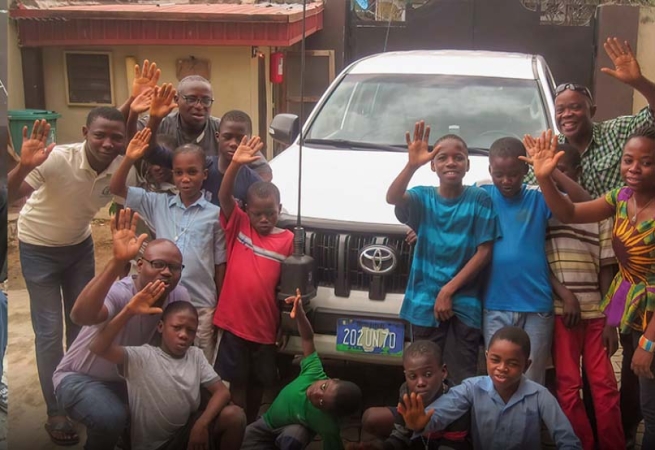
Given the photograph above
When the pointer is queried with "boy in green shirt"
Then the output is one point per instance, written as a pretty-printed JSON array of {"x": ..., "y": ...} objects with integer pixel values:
[{"x": 312, "y": 403}]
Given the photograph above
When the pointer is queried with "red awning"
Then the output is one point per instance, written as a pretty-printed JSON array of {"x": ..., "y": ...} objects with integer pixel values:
[{"x": 181, "y": 24}]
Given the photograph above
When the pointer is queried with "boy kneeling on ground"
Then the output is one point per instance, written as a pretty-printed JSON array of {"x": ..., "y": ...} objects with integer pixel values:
[
  {"x": 312, "y": 403},
  {"x": 164, "y": 382}
]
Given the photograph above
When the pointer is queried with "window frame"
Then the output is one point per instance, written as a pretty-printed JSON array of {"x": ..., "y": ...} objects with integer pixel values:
[{"x": 111, "y": 78}]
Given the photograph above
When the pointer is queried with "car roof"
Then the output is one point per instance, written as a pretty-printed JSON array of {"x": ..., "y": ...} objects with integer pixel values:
[{"x": 449, "y": 62}]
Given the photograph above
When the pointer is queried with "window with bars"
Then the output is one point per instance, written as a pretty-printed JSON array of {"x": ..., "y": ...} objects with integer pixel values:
[{"x": 89, "y": 80}]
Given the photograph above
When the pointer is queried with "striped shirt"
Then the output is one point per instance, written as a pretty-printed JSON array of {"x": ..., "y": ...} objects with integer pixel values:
[
  {"x": 576, "y": 252},
  {"x": 601, "y": 161}
]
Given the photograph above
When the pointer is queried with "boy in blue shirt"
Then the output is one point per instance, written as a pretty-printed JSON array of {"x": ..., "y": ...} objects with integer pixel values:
[
  {"x": 506, "y": 407},
  {"x": 456, "y": 227}
]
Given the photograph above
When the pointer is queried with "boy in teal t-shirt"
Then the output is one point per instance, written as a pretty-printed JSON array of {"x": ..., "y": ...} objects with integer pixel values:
[{"x": 310, "y": 404}]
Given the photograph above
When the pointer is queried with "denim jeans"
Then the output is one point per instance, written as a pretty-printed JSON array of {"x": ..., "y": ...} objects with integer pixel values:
[
  {"x": 3, "y": 329},
  {"x": 102, "y": 406},
  {"x": 259, "y": 436},
  {"x": 539, "y": 327},
  {"x": 52, "y": 273}
]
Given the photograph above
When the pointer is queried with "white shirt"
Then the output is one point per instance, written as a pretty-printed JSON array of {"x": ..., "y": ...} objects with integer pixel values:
[{"x": 68, "y": 193}]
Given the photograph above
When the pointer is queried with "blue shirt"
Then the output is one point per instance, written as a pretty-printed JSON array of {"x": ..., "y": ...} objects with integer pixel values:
[
  {"x": 449, "y": 232},
  {"x": 195, "y": 230},
  {"x": 519, "y": 277},
  {"x": 499, "y": 426},
  {"x": 246, "y": 176}
]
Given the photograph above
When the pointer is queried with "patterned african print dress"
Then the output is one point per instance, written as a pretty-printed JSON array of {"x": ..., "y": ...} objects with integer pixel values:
[{"x": 630, "y": 301}]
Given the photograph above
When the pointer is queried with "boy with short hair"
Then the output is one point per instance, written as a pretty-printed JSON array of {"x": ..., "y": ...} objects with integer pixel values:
[
  {"x": 186, "y": 219},
  {"x": 518, "y": 290},
  {"x": 507, "y": 408},
  {"x": 456, "y": 227},
  {"x": 247, "y": 310},
  {"x": 164, "y": 382},
  {"x": 426, "y": 376},
  {"x": 581, "y": 257},
  {"x": 312, "y": 403}
]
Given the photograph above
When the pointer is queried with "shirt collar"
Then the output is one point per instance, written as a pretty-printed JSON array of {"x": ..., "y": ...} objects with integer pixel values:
[
  {"x": 525, "y": 389},
  {"x": 181, "y": 132},
  {"x": 175, "y": 200},
  {"x": 113, "y": 167},
  {"x": 596, "y": 137}
]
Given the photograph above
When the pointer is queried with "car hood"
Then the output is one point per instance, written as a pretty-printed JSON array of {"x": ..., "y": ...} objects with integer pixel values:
[{"x": 350, "y": 185}]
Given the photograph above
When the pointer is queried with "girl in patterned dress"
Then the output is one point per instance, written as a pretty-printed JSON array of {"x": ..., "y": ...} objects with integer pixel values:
[{"x": 630, "y": 301}]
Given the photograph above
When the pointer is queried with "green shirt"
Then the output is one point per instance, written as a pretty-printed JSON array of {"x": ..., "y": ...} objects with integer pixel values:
[
  {"x": 293, "y": 407},
  {"x": 601, "y": 161}
]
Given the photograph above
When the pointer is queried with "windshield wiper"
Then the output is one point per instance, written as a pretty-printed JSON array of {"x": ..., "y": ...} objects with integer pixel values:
[{"x": 343, "y": 143}]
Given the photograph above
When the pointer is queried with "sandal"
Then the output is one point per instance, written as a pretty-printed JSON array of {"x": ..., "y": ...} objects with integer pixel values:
[{"x": 62, "y": 428}]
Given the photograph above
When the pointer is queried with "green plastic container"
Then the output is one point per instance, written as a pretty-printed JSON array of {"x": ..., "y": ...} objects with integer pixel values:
[{"x": 18, "y": 118}]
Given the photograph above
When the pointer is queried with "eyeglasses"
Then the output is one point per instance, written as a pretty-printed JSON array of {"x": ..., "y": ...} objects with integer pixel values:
[
  {"x": 573, "y": 87},
  {"x": 193, "y": 100},
  {"x": 160, "y": 264}
]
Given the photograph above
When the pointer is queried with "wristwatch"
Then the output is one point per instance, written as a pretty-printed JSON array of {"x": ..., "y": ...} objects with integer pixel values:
[{"x": 646, "y": 344}]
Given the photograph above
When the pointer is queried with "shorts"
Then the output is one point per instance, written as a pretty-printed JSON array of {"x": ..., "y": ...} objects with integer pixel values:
[
  {"x": 180, "y": 440},
  {"x": 246, "y": 362}
]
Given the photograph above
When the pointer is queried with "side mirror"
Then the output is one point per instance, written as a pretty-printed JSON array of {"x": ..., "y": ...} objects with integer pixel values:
[{"x": 284, "y": 128}]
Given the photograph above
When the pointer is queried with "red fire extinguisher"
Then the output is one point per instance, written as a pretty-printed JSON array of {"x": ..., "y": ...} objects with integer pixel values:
[{"x": 277, "y": 67}]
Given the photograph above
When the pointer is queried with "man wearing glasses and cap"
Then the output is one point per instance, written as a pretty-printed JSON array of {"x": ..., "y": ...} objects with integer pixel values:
[{"x": 192, "y": 123}]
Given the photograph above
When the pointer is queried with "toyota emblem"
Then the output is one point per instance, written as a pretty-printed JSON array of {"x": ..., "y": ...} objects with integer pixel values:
[{"x": 378, "y": 259}]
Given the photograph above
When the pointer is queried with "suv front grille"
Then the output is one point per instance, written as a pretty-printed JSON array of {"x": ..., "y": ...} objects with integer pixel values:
[{"x": 336, "y": 257}]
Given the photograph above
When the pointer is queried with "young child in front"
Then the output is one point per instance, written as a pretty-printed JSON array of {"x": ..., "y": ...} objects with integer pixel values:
[
  {"x": 247, "y": 311},
  {"x": 518, "y": 290},
  {"x": 186, "y": 219},
  {"x": 426, "y": 376},
  {"x": 580, "y": 257},
  {"x": 507, "y": 408},
  {"x": 456, "y": 227},
  {"x": 630, "y": 300},
  {"x": 164, "y": 382},
  {"x": 312, "y": 403}
]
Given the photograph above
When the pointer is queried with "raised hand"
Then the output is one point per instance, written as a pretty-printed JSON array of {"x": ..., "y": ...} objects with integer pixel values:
[
  {"x": 247, "y": 151},
  {"x": 141, "y": 104},
  {"x": 145, "y": 78},
  {"x": 413, "y": 411},
  {"x": 542, "y": 154},
  {"x": 123, "y": 233},
  {"x": 138, "y": 145},
  {"x": 33, "y": 151},
  {"x": 163, "y": 101},
  {"x": 417, "y": 147},
  {"x": 626, "y": 67},
  {"x": 297, "y": 304},
  {"x": 141, "y": 303}
]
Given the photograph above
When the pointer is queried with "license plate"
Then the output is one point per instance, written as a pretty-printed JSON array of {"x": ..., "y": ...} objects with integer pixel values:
[{"x": 371, "y": 337}]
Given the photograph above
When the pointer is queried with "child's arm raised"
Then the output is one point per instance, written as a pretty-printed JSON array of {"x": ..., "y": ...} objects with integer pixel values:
[
  {"x": 144, "y": 79},
  {"x": 163, "y": 102},
  {"x": 419, "y": 154},
  {"x": 199, "y": 437},
  {"x": 141, "y": 304},
  {"x": 135, "y": 151},
  {"x": 304, "y": 327},
  {"x": 140, "y": 105},
  {"x": 245, "y": 154},
  {"x": 544, "y": 157}
]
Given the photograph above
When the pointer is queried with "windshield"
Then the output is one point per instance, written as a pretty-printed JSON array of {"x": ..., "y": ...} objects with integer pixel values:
[{"x": 380, "y": 108}]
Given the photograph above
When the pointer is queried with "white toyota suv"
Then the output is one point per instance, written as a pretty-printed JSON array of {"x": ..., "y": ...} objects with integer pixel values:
[{"x": 355, "y": 147}]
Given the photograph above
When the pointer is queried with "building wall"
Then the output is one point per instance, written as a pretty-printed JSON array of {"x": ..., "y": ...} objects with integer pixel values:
[
  {"x": 233, "y": 78},
  {"x": 645, "y": 50},
  {"x": 14, "y": 70}
]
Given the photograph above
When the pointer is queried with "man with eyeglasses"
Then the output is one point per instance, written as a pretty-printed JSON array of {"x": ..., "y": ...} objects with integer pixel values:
[
  {"x": 192, "y": 123},
  {"x": 87, "y": 387}
]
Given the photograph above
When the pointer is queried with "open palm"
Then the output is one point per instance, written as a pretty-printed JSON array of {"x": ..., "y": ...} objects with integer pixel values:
[
  {"x": 413, "y": 411},
  {"x": 417, "y": 147},
  {"x": 247, "y": 151},
  {"x": 542, "y": 153},
  {"x": 626, "y": 67},
  {"x": 123, "y": 232},
  {"x": 142, "y": 302},
  {"x": 33, "y": 151},
  {"x": 162, "y": 102},
  {"x": 139, "y": 144},
  {"x": 145, "y": 78}
]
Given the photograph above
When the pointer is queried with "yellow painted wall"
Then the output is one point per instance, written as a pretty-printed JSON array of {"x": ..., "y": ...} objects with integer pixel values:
[
  {"x": 645, "y": 50},
  {"x": 233, "y": 78},
  {"x": 15, "y": 90}
]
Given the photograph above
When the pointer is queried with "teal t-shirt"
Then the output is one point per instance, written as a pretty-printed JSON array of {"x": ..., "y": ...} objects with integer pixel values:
[{"x": 292, "y": 406}]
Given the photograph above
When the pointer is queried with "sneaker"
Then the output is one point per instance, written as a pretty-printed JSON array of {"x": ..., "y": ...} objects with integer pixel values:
[{"x": 4, "y": 393}]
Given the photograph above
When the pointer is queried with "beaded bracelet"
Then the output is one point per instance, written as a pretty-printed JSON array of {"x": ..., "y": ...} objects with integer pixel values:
[{"x": 646, "y": 344}]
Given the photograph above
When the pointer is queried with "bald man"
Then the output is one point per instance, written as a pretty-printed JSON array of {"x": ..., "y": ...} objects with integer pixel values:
[{"x": 87, "y": 387}]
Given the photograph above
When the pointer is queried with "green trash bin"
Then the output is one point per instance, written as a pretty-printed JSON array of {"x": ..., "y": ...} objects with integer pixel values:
[{"x": 18, "y": 118}]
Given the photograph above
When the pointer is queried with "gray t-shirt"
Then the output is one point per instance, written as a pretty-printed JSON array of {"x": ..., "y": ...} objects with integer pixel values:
[
  {"x": 139, "y": 330},
  {"x": 163, "y": 391}
]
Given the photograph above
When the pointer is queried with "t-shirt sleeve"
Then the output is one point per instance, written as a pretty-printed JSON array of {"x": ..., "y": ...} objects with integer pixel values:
[
  {"x": 487, "y": 227},
  {"x": 232, "y": 226},
  {"x": 136, "y": 361},
  {"x": 312, "y": 367},
  {"x": 612, "y": 197},
  {"x": 116, "y": 299},
  {"x": 38, "y": 176},
  {"x": 208, "y": 375},
  {"x": 622, "y": 127},
  {"x": 142, "y": 202},
  {"x": 415, "y": 206}
]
